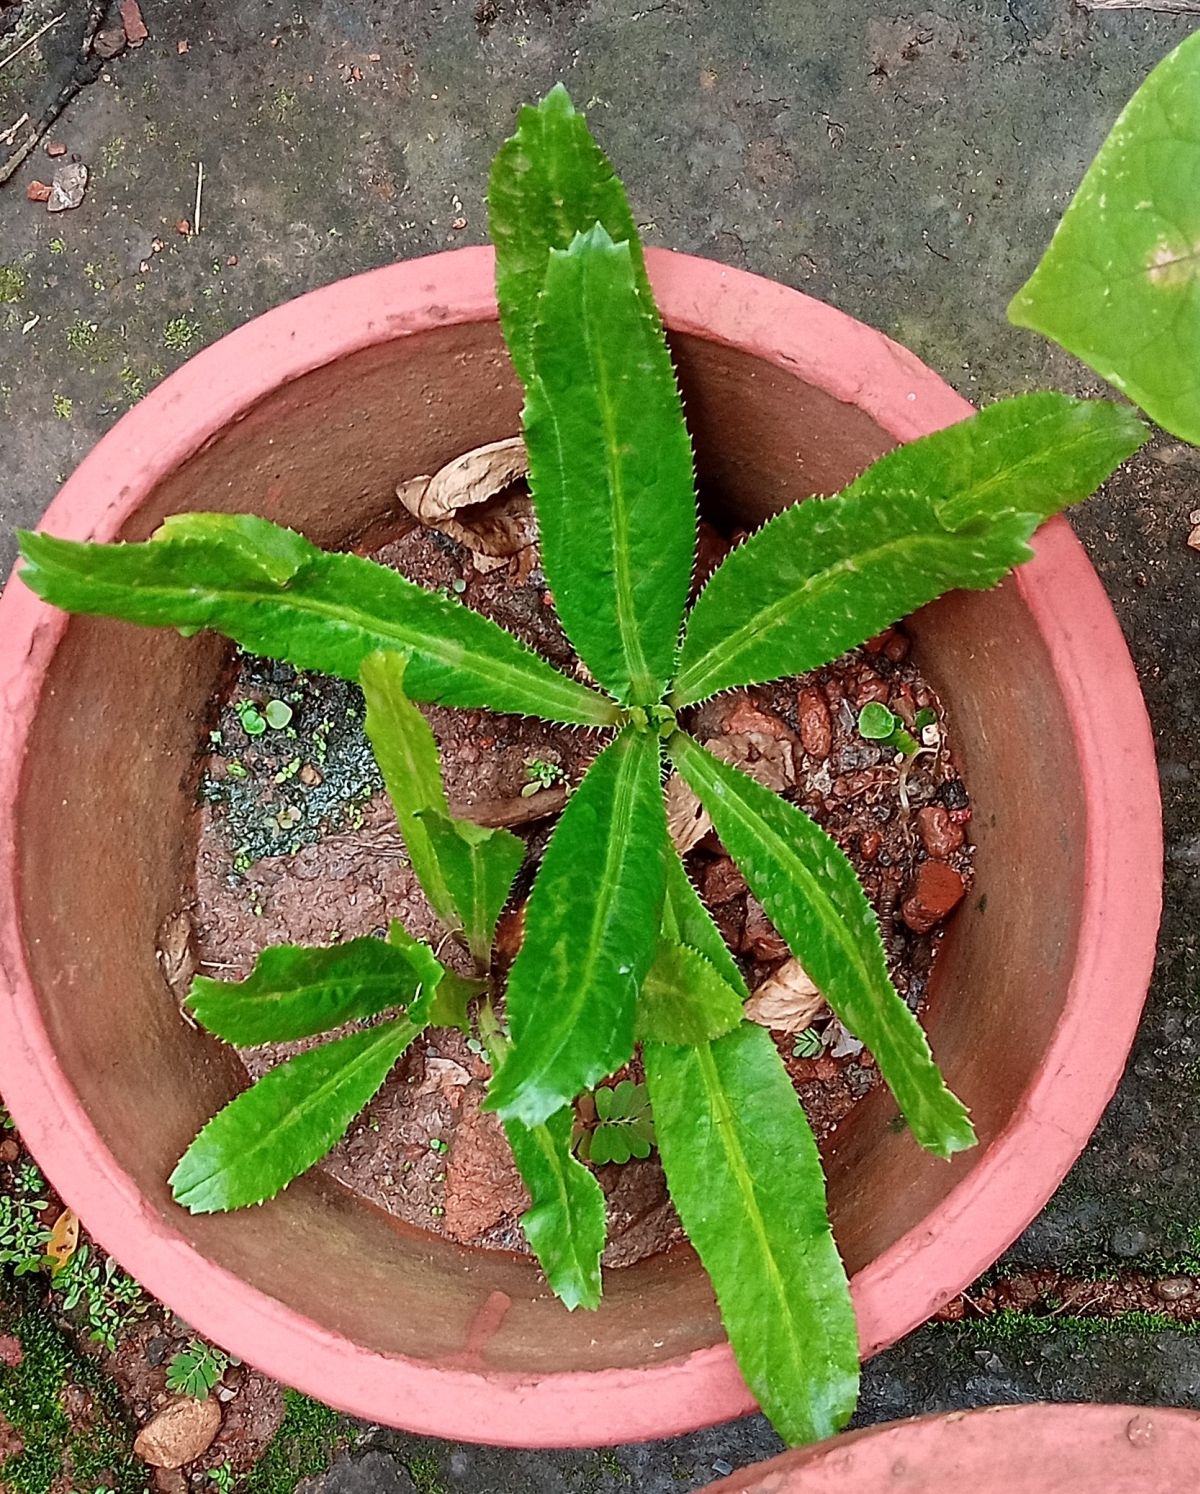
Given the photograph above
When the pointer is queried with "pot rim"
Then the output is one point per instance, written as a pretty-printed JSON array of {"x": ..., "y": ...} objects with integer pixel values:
[
  {"x": 993, "y": 1202},
  {"x": 1069, "y": 1447}
]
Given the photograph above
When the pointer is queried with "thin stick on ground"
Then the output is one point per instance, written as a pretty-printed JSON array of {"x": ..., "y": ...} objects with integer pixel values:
[
  {"x": 199, "y": 190},
  {"x": 29, "y": 40}
]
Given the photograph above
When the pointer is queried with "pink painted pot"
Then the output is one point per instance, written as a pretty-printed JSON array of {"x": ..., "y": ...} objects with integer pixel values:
[
  {"x": 310, "y": 415},
  {"x": 1001, "y": 1450}
]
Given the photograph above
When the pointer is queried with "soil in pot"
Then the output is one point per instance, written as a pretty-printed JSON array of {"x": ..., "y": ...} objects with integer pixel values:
[{"x": 296, "y": 842}]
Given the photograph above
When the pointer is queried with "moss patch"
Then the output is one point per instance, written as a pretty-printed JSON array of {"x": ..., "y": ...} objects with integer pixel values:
[
  {"x": 90, "y": 1447},
  {"x": 12, "y": 284},
  {"x": 304, "y": 1446}
]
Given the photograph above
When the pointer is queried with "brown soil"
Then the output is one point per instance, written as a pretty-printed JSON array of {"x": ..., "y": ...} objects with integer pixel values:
[{"x": 298, "y": 844}]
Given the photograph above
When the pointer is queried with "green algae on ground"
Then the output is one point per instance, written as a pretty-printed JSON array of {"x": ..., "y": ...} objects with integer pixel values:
[
  {"x": 12, "y": 284},
  {"x": 90, "y": 1449}
]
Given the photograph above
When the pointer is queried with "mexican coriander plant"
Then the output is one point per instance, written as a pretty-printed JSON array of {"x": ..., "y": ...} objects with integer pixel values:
[{"x": 619, "y": 952}]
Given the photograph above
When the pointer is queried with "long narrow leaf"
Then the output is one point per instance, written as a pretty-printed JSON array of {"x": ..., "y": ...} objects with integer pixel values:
[
  {"x": 813, "y": 897},
  {"x": 294, "y": 992},
  {"x": 479, "y": 863},
  {"x": 610, "y": 469},
  {"x": 565, "y": 1222},
  {"x": 745, "y": 1176},
  {"x": 955, "y": 509},
  {"x": 271, "y": 591},
  {"x": 279, "y": 1127},
  {"x": 549, "y": 182},
  {"x": 407, "y": 754},
  {"x": 1119, "y": 285},
  {"x": 591, "y": 929}
]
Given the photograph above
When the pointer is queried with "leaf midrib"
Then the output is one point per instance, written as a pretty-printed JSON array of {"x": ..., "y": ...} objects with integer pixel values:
[
  {"x": 643, "y": 689},
  {"x": 743, "y": 1177},
  {"x": 451, "y": 656},
  {"x": 692, "y": 682},
  {"x": 847, "y": 944},
  {"x": 623, "y": 800},
  {"x": 387, "y": 1034}
]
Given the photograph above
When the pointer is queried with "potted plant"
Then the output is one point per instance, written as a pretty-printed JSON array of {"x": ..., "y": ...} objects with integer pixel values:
[
  {"x": 1070, "y": 1449},
  {"x": 396, "y": 373}
]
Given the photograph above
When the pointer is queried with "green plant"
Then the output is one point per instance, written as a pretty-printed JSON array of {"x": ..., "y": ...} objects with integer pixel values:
[
  {"x": 619, "y": 950},
  {"x": 541, "y": 775},
  {"x": 1117, "y": 286},
  {"x": 179, "y": 334},
  {"x": 105, "y": 1295},
  {"x": 877, "y": 724},
  {"x": 221, "y": 1478},
  {"x": 624, "y": 1125},
  {"x": 195, "y": 1370},
  {"x": 808, "y": 1044}
]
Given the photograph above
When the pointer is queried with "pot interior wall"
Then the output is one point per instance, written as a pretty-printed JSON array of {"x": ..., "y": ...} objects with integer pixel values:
[{"x": 105, "y": 852}]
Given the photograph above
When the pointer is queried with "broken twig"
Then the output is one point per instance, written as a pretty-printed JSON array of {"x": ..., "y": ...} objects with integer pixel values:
[{"x": 29, "y": 40}]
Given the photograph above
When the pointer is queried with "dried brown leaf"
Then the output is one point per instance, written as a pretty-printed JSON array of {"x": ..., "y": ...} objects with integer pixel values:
[
  {"x": 64, "y": 1239},
  {"x": 786, "y": 1001},
  {"x": 769, "y": 759},
  {"x": 687, "y": 819}
]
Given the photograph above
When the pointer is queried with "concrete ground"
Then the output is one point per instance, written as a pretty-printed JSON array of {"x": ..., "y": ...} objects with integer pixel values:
[{"x": 907, "y": 168}]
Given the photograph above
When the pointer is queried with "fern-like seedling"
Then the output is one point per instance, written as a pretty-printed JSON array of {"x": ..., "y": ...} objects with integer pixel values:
[
  {"x": 619, "y": 951},
  {"x": 624, "y": 1125}
]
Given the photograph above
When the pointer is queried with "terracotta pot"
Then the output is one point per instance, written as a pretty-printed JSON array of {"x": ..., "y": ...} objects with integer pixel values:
[
  {"x": 1001, "y": 1450},
  {"x": 310, "y": 415}
]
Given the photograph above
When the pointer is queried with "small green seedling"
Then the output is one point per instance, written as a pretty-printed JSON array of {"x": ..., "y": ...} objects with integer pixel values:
[
  {"x": 254, "y": 723},
  {"x": 541, "y": 775},
  {"x": 278, "y": 714},
  {"x": 624, "y": 1125},
  {"x": 621, "y": 961},
  {"x": 877, "y": 724},
  {"x": 808, "y": 1044},
  {"x": 195, "y": 1370}
]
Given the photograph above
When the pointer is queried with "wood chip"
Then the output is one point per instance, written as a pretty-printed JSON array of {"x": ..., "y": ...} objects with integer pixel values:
[{"x": 786, "y": 1001}]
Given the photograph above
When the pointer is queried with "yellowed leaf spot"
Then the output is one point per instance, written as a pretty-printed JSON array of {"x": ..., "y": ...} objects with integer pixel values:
[{"x": 64, "y": 1240}]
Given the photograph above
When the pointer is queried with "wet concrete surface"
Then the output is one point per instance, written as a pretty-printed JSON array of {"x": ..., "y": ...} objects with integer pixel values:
[{"x": 909, "y": 169}]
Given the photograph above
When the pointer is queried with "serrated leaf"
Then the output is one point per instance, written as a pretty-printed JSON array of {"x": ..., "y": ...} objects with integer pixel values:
[
  {"x": 811, "y": 894},
  {"x": 955, "y": 509},
  {"x": 289, "y": 1119},
  {"x": 610, "y": 469},
  {"x": 479, "y": 864},
  {"x": 407, "y": 754},
  {"x": 272, "y": 592},
  {"x": 294, "y": 992},
  {"x": 1118, "y": 285},
  {"x": 451, "y": 998},
  {"x": 687, "y": 921},
  {"x": 549, "y": 182},
  {"x": 591, "y": 928},
  {"x": 565, "y": 1223},
  {"x": 684, "y": 1000},
  {"x": 745, "y": 1175}
]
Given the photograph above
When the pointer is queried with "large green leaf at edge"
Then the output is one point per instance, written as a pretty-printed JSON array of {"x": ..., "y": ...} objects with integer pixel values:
[
  {"x": 565, "y": 1222},
  {"x": 289, "y": 1119},
  {"x": 610, "y": 469},
  {"x": 954, "y": 509},
  {"x": 294, "y": 992},
  {"x": 745, "y": 1175},
  {"x": 685, "y": 918},
  {"x": 273, "y": 592},
  {"x": 813, "y": 897},
  {"x": 591, "y": 930},
  {"x": 1119, "y": 285},
  {"x": 549, "y": 182}
]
